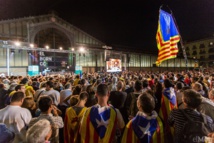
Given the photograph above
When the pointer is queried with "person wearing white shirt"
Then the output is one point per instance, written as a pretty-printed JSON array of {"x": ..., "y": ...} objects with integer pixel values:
[{"x": 15, "y": 117}]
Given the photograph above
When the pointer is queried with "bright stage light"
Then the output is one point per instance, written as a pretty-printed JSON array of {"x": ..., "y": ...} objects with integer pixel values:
[
  {"x": 60, "y": 48},
  {"x": 17, "y": 43},
  {"x": 47, "y": 47},
  {"x": 31, "y": 45},
  {"x": 72, "y": 49},
  {"x": 82, "y": 49}
]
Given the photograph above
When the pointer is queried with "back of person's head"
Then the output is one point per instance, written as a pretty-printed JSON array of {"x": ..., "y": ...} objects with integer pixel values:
[
  {"x": 77, "y": 90},
  {"x": 1, "y": 85},
  {"x": 17, "y": 96},
  {"x": 77, "y": 76},
  {"x": 167, "y": 83},
  {"x": 82, "y": 82},
  {"x": 29, "y": 103},
  {"x": 90, "y": 89},
  {"x": 119, "y": 85},
  {"x": 179, "y": 85},
  {"x": 192, "y": 98},
  {"x": 50, "y": 84},
  {"x": 34, "y": 84},
  {"x": 24, "y": 81},
  {"x": 45, "y": 103},
  {"x": 38, "y": 132},
  {"x": 19, "y": 86},
  {"x": 197, "y": 86},
  {"x": 145, "y": 83},
  {"x": 74, "y": 100},
  {"x": 102, "y": 90},
  {"x": 7, "y": 136},
  {"x": 146, "y": 102},
  {"x": 185, "y": 88},
  {"x": 138, "y": 85},
  {"x": 68, "y": 86},
  {"x": 83, "y": 95},
  {"x": 42, "y": 84}
]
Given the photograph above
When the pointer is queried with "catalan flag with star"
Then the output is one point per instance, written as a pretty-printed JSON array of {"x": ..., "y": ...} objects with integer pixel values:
[
  {"x": 98, "y": 125},
  {"x": 144, "y": 129},
  {"x": 71, "y": 125},
  {"x": 167, "y": 37},
  {"x": 168, "y": 103}
]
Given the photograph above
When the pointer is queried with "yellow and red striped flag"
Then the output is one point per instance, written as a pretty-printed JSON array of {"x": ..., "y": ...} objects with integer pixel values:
[{"x": 167, "y": 38}]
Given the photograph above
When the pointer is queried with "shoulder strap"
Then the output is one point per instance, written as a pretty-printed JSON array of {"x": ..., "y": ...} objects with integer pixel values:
[{"x": 40, "y": 94}]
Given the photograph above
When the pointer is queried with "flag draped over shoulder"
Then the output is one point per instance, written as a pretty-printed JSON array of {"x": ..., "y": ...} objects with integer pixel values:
[
  {"x": 167, "y": 37},
  {"x": 142, "y": 129},
  {"x": 168, "y": 102},
  {"x": 72, "y": 123},
  {"x": 98, "y": 125}
]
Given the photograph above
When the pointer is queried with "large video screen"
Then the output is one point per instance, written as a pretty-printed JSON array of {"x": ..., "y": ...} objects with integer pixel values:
[{"x": 114, "y": 65}]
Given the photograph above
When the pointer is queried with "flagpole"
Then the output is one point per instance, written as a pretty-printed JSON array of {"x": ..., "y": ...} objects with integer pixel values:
[{"x": 181, "y": 40}]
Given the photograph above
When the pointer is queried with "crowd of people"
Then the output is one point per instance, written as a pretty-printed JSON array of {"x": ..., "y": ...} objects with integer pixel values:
[{"x": 125, "y": 107}]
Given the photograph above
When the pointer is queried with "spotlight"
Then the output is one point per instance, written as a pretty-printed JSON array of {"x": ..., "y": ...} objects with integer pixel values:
[
  {"x": 47, "y": 47},
  {"x": 17, "y": 43},
  {"x": 72, "y": 49},
  {"x": 31, "y": 45},
  {"x": 82, "y": 49},
  {"x": 60, "y": 48}
]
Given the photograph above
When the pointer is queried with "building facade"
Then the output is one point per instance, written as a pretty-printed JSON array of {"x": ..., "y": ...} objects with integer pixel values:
[{"x": 50, "y": 42}]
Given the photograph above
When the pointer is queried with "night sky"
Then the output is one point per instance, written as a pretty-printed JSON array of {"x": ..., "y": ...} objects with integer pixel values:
[{"x": 121, "y": 23}]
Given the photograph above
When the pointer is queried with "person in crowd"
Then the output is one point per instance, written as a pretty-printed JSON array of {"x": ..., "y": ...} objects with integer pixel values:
[
  {"x": 35, "y": 86},
  {"x": 158, "y": 94},
  {"x": 6, "y": 136},
  {"x": 40, "y": 132},
  {"x": 177, "y": 118},
  {"x": 49, "y": 112},
  {"x": 100, "y": 121},
  {"x": 117, "y": 100},
  {"x": 83, "y": 84},
  {"x": 76, "y": 80},
  {"x": 3, "y": 95},
  {"x": 168, "y": 103},
  {"x": 132, "y": 99},
  {"x": 76, "y": 91},
  {"x": 29, "y": 91},
  {"x": 30, "y": 104},
  {"x": 199, "y": 88},
  {"x": 146, "y": 126},
  {"x": 72, "y": 119},
  {"x": 178, "y": 87},
  {"x": 50, "y": 91},
  {"x": 40, "y": 90},
  {"x": 145, "y": 85},
  {"x": 91, "y": 96},
  {"x": 15, "y": 117},
  {"x": 113, "y": 85}
]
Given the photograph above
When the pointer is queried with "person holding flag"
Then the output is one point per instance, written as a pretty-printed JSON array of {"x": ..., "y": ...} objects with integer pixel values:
[
  {"x": 101, "y": 121},
  {"x": 167, "y": 38},
  {"x": 146, "y": 126}
]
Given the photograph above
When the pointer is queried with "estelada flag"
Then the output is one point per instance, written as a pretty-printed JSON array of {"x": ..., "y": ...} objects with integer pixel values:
[
  {"x": 98, "y": 125},
  {"x": 144, "y": 129},
  {"x": 71, "y": 125},
  {"x": 167, "y": 38}
]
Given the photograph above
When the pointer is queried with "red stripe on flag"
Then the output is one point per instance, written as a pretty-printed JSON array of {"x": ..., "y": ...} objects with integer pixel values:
[
  {"x": 96, "y": 137},
  {"x": 129, "y": 134},
  {"x": 114, "y": 128},
  {"x": 168, "y": 56},
  {"x": 164, "y": 110},
  {"x": 71, "y": 136}
]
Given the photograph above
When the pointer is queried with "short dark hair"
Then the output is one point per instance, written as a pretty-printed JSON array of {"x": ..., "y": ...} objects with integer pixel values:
[
  {"x": 24, "y": 81},
  {"x": 17, "y": 96},
  {"x": 45, "y": 103},
  {"x": 192, "y": 98},
  {"x": 50, "y": 84},
  {"x": 82, "y": 81},
  {"x": 67, "y": 86},
  {"x": 147, "y": 102},
  {"x": 83, "y": 95},
  {"x": 179, "y": 85},
  {"x": 18, "y": 87},
  {"x": 102, "y": 90},
  {"x": 145, "y": 83},
  {"x": 138, "y": 85},
  {"x": 167, "y": 83}
]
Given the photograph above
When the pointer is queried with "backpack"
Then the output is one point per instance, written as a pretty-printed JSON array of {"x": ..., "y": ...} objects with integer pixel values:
[{"x": 194, "y": 131}]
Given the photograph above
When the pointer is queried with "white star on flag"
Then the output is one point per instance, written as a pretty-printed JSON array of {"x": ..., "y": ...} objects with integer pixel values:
[
  {"x": 102, "y": 122},
  {"x": 145, "y": 130}
]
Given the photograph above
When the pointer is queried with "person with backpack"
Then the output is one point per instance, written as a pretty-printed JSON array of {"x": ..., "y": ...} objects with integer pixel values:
[{"x": 190, "y": 126}]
